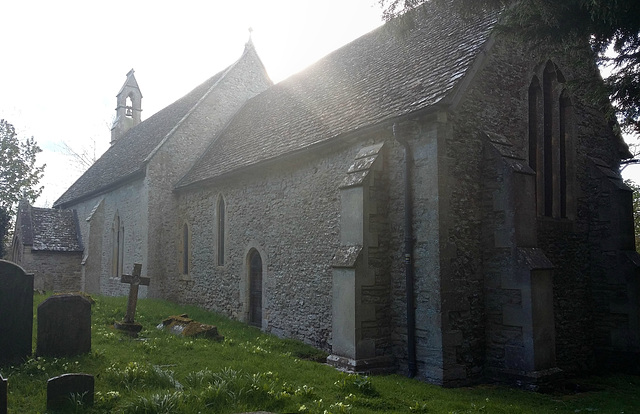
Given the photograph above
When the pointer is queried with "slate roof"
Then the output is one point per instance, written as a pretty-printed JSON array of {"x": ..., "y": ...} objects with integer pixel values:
[
  {"x": 126, "y": 158},
  {"x": 48, "y": 229},
  {"x": 380, "y": 76}
]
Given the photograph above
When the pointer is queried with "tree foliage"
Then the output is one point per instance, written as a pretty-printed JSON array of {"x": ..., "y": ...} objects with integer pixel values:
[
  {"x": 5, "y": 222},
  {"x": 605, "y": 24},
  {"x": 19, "y": 175}
]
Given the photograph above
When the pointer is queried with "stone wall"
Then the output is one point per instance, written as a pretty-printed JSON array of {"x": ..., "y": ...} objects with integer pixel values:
[
  {"x": 245, "y": 79},
  {"x": 424, "y": 139},
  {"x": 53, "y": 271},
  {"x": 289, "y": 212},
  {"x": 361, "y": 326},
  {"x": 129, "y": 203},
  {"x": 497, "y": 102},
  {"x": 376, "y": 295}
]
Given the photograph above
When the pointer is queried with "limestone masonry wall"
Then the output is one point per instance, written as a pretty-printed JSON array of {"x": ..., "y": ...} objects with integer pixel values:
[
  {"x": 129, "y": 203},
  {"x": 289, "y": 213},
  {"x": 177, "y": 155},
  {"x": 423, "y": 140},
  {"x": 54, "y": 271},
  {"x": 497, "y": 102}
]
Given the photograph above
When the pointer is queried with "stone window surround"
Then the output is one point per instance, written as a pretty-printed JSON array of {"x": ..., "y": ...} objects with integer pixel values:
[
  {"x": 551, "y": 152},
  {"x": 185, "y": 251},
  {"x": 220, "y": 221},
  {"x": 117, "y": 251}
]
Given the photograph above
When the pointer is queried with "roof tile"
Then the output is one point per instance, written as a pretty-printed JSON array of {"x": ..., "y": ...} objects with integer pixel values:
[{"x": 48, "y": 229}]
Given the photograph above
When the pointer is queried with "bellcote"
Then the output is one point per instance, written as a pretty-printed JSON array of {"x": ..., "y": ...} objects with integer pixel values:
[{"x": 128, "y": 109}]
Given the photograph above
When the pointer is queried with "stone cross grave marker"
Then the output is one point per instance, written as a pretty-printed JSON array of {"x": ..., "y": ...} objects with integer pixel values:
[
  {"x": 64, "y": 326},
  {"x": 134, "y": 280},
  {"x": 16, "y": 312}
]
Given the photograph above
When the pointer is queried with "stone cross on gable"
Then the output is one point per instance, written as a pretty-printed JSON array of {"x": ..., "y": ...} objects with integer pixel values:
[{"x": 134, "y": 281}]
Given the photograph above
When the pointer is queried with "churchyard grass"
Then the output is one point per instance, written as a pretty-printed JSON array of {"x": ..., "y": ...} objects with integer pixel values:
[{"x": 250, "y": 371}]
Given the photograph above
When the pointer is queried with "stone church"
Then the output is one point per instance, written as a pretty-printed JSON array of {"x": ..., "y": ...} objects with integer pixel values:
[{"x": 444, "y": 202}]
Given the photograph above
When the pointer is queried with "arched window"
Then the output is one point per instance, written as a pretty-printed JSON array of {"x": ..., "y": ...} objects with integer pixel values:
[
  {"x": 549, "y": 79},
  {"x": 221, "y": 227},
  {"x": 16, "y": 253},
  {"x": 550, "y": 142},
  {"x": 255, "y": 288},
  {"x": 534, "y": 137},
  {"x": 185, "y": 249},
  {"x": 565, "y": 121},
  {"x": 117, "y": 255}
]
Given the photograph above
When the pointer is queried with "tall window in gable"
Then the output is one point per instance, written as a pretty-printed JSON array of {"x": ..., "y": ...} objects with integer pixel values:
[
  {"x": 565, "y": 121},
  {"x": 221, "y": 227},
  {"x": 549, "y": 79},
  {"x": 550, "y": 143},
  {"x": 534, "y": 137},
  {"x": 117, "y": 255}
]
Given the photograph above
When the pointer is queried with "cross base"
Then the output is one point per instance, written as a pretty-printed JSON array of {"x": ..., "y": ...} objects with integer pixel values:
[{"x": 132, "y": 328}]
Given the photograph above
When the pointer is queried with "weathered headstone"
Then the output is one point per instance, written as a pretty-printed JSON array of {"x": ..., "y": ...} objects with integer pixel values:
[
  {"x": 64, "y": 326},
  {"x": 16, "y": 312},
  {"x": 134, "y": 280},
  {"x": 3, "y": 395},
  {"x": 69, "y": 389}
]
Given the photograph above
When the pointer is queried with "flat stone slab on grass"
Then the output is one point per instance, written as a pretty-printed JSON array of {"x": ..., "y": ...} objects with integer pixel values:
[
  {"x": 183, "y": 325},
  {"x": 65, "y": 389}
]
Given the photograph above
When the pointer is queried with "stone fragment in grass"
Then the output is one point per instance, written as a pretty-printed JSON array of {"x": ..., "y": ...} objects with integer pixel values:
[{"x": 183, "y": 325}]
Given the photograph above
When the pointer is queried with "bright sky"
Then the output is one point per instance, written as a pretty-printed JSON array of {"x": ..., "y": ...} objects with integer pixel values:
[{"x": 64, "y": 61}]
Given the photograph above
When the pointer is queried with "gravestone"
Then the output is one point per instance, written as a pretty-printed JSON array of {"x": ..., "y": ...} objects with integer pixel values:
[
  {"x": 16, "y": 312},
  {"x": 134, "y": 280},
  {"x": 64, "y": 326},
  {"x": 64, "y": 390},
  {"x": 3, "y": 395}
]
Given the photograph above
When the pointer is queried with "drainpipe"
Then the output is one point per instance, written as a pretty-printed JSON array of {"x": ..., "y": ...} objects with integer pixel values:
[{"x": 408, "y": 257}]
